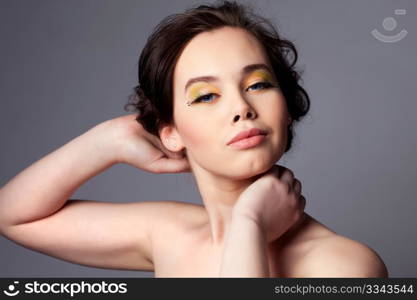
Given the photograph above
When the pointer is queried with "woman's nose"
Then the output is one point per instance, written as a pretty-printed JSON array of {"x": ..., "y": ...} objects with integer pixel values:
[
  {"x": 243, "y": 111},
  {"x": 244, "y": 115}
]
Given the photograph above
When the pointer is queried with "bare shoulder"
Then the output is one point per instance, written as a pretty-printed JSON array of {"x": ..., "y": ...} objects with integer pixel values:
[
  {"x": 338, "y": 256},
  {"x": 173, "y": 234},
  {"x": 311, "y": 249},
  {"x": 182, "y": 213},
  {"x": 179, "y": 218}
]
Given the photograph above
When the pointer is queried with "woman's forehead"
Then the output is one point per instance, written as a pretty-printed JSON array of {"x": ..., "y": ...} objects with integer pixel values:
[{"x": 218, "y": 52}]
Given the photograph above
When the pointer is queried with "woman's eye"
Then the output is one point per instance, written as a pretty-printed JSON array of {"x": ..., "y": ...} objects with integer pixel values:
[
  {"x": 204, "y": 97},
  {"x": 264, "y": 84},
  {"x": 207, "y": 97}
]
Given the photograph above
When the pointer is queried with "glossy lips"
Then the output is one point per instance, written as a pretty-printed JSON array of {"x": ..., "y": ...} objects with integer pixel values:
[{"x": 247, "y": 134}]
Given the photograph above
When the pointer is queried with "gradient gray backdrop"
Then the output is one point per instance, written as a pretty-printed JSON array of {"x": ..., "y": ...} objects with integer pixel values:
[{"x": 69, "y": 65}]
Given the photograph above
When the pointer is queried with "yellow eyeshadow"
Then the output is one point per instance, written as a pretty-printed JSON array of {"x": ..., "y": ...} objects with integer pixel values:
[
  {"x": 202, "y": 88},
  {"x": 263, "y": 75},
  {"x": 199, "y": 89}
]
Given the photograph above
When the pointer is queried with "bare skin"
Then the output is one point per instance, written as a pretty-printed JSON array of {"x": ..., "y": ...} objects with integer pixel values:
[
  {"x": 193, "y": 255},
  {"x": 189, "y": 252},
  {"x": 171, "y": 238},
  {"x": 252, "y": 221}
]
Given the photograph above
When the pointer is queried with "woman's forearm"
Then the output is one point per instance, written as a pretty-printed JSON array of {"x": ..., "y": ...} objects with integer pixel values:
[
  {"x": 44, "y": 187},
  {"x": 245, "y": 250}
]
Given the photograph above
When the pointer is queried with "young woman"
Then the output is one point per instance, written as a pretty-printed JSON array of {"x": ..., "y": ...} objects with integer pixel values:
[{"x": 206, "y": 77}]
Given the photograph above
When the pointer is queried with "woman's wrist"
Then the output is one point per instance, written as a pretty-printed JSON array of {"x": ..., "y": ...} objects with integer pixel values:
[
  {"x": 244, "y": 233},
  {"x": 241, "y": 215},
  {"x": 244, "y": 218},
  {"x": 108, "y": 141}
]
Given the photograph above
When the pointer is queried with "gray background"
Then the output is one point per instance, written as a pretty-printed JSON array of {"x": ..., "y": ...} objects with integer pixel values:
[{"x": 69, "y": 65}]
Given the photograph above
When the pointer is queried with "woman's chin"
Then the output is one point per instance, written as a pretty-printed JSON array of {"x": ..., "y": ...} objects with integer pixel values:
[{"x": 252, "y": 174}]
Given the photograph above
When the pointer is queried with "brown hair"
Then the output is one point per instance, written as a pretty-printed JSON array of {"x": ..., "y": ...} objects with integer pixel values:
[{"x": 153, "y": 96}]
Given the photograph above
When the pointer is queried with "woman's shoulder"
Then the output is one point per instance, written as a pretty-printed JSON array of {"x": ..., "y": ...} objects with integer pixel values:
[
  {"x": 339, "y": 256},
  {"x": 183, "y": 216},
  {"x": 333, "y": 255}
]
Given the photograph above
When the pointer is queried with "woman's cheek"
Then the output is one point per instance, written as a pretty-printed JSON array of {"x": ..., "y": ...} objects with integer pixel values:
[{"x": 195, "y": 137}]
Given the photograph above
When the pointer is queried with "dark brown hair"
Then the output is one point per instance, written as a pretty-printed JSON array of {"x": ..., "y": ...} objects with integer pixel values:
[{"x": 153, "y": 96}]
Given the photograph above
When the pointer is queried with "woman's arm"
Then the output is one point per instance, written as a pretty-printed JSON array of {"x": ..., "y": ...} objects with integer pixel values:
[
  {"x": 35, "y": 213},
  {"x": 263, "y": 212},
  {"x": 245, "y": 250},
  {"x": 44, "y": 187}
]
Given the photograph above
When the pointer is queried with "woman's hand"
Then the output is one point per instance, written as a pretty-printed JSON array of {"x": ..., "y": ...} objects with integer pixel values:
[
  {"x": 139, "y": 148},
  {"x": 273, "y": 201}
]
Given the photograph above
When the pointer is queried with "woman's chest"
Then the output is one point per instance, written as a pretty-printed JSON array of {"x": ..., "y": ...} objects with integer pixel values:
[
  {"x": 199, "y": 265},
  {"x": 183, "y": 251},
  {"x": 188, "y": 258}
]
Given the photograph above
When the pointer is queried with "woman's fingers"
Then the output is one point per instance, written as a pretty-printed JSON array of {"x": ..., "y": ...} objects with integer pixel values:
[
  {"x": 297, "y": 186},
  {"x": 167, "y": 152},
  {"x": 288, "y": 178},
  {"x": 169, "y": 165},
  {"x": 303, "y": 202}
]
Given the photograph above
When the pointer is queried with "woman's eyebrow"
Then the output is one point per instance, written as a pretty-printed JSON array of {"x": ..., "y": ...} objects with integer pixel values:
[{"x": 245, "y": 70}]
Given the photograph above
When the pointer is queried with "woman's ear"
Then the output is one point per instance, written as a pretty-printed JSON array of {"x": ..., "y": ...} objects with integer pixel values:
[{"x": 170, "y": 138}]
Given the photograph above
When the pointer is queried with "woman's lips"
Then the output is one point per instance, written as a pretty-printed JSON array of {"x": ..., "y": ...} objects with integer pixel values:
[
  {"x": 248, "y": 142},
  {"x": 246, "y": 134}
]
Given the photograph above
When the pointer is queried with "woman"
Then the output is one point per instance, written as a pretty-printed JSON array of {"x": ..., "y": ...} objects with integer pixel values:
[{"x": 206, "y": 76}]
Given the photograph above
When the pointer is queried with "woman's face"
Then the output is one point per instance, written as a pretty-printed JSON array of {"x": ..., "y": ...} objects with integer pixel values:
[{"x": 205, "y": 126}]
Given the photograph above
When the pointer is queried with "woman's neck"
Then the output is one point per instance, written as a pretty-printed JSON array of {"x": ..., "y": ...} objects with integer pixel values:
[{"x": 219, "y": 196}]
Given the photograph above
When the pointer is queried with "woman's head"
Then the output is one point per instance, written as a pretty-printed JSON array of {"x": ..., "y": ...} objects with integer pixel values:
[{"x": 255, "y": 86}]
